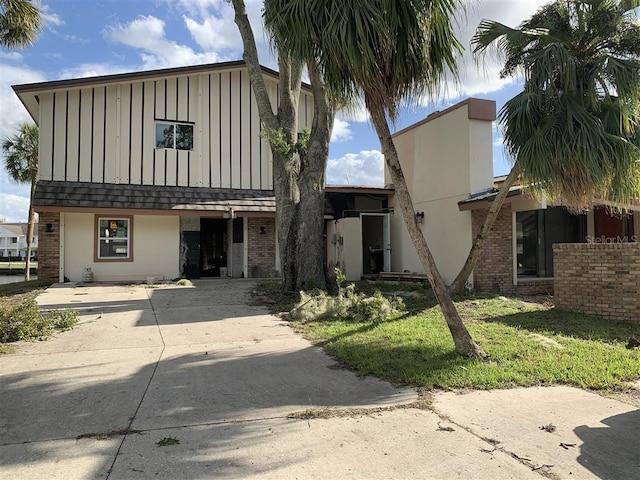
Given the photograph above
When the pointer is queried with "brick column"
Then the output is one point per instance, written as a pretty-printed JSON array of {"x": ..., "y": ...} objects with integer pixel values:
[
  {"x": 262, "y": 247},
  {"x": 494, "y": 270},
  {"x": 49, "y": 247}
]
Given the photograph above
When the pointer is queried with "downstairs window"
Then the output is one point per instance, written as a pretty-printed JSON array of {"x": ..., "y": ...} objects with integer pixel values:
[{"x": 114, "y": 239}]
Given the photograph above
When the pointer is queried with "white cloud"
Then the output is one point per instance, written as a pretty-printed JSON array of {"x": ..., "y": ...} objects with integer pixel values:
[
  {"x": 14, "y": 208},
  {"x": 10, "y": 55},
  {"x": 85, "y": 70},
  {"x": 211, "y": 24},
  {"x": 363, "y": 168},
  {"x": 215, "y": 33},
  {"x": 13, "y": 197},
  {"x": 483, "y": 76},
  {"x": 50, "y": 19},
  {"x": 341, "y": 131},
  {"x": 147, "y": 34}
]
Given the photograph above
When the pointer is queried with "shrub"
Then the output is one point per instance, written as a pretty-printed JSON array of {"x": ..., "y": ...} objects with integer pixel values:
[
  {"x": 63, "y": 320},
  {"x": 24, "y": 321},
  {"x": 348, "y": 305}
]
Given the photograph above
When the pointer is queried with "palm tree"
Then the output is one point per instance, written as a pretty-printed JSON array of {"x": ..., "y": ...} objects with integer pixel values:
[
  {"x": 20, "y": 22},
  {"x": 387, "y": 51},
  {"x": 574, "y": 130},
  {"x": 21, "y": 162}
]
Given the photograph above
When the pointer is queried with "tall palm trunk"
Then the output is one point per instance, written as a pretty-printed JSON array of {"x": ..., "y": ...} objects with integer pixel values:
[
  {"x": 27, "y": 266},
  {"x": 474, "y": 254},
  {"x": 464, "y": 344}
]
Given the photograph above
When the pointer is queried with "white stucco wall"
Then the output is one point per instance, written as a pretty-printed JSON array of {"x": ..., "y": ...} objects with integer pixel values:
[
  {"x": 445, "y": 158},
  {"x": 156, "y": 249}
]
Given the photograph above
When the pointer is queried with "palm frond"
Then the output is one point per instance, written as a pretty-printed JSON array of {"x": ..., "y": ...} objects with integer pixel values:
[
  {"x": 389, "y": 50},
  {"x": 20, "y": 23},
  {"x": 575, "y": 128}
]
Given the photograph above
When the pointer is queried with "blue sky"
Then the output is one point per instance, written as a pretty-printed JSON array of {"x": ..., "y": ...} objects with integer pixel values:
[{"x": 98, "y": 37}]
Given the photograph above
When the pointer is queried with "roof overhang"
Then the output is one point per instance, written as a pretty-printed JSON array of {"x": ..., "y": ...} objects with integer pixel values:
[
  {"x": 483, "y": 200},
  {"x": 361, "y": 189},
  {"x": 152, "y": 199}
]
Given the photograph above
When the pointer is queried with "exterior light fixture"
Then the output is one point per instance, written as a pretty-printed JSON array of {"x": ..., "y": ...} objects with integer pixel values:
[{"x": 419, "y": 217}]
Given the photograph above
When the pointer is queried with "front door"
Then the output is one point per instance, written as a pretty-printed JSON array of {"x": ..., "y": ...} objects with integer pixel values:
[
  {"x": 376, "y": 243},
  {"x": 191, "y": 267}
]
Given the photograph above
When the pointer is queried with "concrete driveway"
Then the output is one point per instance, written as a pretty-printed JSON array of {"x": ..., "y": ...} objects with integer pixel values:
[{"x": 233, "y": 385}]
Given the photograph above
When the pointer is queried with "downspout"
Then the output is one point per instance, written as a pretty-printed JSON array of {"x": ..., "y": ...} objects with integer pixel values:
[{"x": 61, "y": 242}]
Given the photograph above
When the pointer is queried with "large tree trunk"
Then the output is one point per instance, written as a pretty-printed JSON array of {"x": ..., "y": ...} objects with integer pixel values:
[
  {"x": 474, "y": 254},
  {"x": 27, "y": 266},
  {"x": 464, "y": 344},
  {"x": 311, "y": 182},
  {"x": 298, "y": 183}
]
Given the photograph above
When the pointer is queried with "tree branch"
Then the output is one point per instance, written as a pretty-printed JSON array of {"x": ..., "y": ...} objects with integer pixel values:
[
  {"x": 250, "y": 56},
  {"x": 476, "y": 248}
]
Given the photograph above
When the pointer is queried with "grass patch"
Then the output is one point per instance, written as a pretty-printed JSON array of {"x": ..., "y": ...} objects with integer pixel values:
[
  {"x": 167, "y": 441},
  {"x": 528, "y": 343},
  {"x": 16, "y": 288},
  {"x": 21, "y": 318}
]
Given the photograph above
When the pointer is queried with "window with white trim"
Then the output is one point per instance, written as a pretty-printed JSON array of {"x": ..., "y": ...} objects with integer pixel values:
[
  {"x": 174, "y": 135},
  {"x": 114, "y": 238}
]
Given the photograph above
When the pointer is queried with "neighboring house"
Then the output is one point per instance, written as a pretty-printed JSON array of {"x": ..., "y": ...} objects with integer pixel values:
[
  {"x": 13, "y": 240},
  {"x": 518, "y": 255},
  {"x": 447, "y": 161},
  {"x": 160, "y": 173}
]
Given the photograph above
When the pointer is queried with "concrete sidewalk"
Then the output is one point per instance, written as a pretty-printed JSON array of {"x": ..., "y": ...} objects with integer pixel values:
[{"x": 229, "y": 381}]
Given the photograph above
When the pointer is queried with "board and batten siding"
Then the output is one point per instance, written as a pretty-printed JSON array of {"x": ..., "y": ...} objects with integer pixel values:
[{"x": 106, "y": 133}]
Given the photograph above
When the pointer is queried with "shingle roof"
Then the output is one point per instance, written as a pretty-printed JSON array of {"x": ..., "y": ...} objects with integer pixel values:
[{"x": 149, "y": 197}]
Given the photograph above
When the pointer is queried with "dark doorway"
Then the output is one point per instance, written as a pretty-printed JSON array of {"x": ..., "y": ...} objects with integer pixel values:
[
  {"x": 213, "y": 247},
  {"x": 191, "y": 267},
  {"x": 372, "y": 244}
]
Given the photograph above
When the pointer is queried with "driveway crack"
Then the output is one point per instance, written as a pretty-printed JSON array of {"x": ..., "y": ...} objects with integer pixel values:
[{"x": 128, "y": 429}]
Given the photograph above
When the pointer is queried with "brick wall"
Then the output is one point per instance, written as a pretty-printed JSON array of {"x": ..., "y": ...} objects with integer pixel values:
[
  {"x": 494, "y": 270},
  {"x": 262, "y": 248},
  {"x": 598, "y": 279},
  {"x": 49, "y": 247}
]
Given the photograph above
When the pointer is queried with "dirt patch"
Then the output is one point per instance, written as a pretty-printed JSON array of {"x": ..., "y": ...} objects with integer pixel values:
[{"x": 630, "y": 395}]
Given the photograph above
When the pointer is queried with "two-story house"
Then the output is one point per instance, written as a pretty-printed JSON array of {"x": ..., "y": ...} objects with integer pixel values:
[
  {"x": 13, "y": 240},
  {"x": 159, "y": 173}
]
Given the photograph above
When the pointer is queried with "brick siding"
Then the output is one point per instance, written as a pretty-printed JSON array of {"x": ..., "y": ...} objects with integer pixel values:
[
  {"x": 494, "y": 270},
  {"x": 262, "y": 247},
  {"x": 598, "y": 279},
  {"x": 49, "y": 247}
]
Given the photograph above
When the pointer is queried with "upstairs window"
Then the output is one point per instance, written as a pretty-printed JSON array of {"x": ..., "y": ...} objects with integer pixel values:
[
  {"x": 174, "y": 135},
  {"x": 14, "y": 239}
]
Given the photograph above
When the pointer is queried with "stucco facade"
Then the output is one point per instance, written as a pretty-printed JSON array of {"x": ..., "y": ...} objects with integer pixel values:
[{"x": 445, "y": 158}]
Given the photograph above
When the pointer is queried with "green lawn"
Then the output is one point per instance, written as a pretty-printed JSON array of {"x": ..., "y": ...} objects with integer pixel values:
[
  {"x": 527, "y": 343},
  {"x": 16, "y": 265}
]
